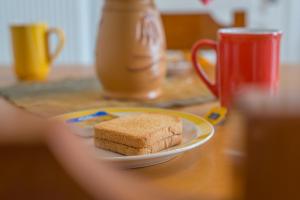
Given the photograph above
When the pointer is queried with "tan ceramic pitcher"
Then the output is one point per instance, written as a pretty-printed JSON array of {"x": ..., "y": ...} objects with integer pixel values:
[{"x": 130, "y": 55}]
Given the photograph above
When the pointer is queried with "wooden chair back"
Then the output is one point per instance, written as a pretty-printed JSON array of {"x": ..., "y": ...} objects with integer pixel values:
[{"x": 183, "y": 30}]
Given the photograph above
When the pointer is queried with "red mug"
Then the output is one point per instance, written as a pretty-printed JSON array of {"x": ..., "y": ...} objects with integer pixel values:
[{"x": 245, "y": 57}]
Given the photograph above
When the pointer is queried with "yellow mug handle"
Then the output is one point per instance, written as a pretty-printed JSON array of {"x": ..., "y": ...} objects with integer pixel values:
[{"x": 61, "y": 43}]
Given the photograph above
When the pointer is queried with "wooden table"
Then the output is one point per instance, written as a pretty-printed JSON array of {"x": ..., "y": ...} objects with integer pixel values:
[{"x": 212, "y": 170}]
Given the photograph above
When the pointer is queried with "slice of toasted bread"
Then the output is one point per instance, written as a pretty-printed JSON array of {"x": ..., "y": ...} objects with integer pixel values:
[
  {"x": 140, "y": 131},
  {"x": 127, "y": 150}
]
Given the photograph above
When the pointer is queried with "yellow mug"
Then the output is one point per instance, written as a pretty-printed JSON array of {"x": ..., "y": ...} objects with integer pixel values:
[{"x": 32, "y": 56}]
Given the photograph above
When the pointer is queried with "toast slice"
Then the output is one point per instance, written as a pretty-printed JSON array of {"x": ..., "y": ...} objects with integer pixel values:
[
  {"x": 130, "y": 151},
  {"x": 139, "y": 134}
]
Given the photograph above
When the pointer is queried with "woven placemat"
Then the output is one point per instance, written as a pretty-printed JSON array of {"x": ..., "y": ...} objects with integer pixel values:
[{"x": 49, "y": 99}]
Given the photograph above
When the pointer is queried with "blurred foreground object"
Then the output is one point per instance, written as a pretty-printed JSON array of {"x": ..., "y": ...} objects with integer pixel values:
[
  {"x": 130, "y": 57},
  {"x": 28, "y": 169},
  {"x": 31, "y": 48},
  {"x": 272, "y": 145}
]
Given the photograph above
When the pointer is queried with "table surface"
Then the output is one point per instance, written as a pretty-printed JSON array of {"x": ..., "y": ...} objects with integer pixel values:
[{"x": 212, "y": 170}]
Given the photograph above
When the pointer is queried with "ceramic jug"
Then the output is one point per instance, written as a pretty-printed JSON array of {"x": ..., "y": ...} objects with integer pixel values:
[{"x": 130, "y": 54}]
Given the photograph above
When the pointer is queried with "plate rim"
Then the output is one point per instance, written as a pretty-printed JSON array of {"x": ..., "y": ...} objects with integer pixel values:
[{"x": 201, "y": 139}]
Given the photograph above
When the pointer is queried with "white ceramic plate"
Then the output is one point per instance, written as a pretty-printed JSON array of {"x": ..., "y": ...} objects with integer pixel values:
[{"x": 196, "y": 131}]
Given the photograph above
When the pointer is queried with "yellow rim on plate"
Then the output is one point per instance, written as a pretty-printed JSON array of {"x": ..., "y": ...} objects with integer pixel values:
[{"x": 206, "y": 128}]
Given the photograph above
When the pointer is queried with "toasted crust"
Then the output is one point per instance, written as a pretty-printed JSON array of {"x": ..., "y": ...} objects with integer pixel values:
[
  {"x": 127, "y": 150},
  {"x": 139, "y": 131}
]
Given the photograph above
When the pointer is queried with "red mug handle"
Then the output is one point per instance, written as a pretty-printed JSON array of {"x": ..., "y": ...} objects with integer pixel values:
[{"x": 204, "y": 43}]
